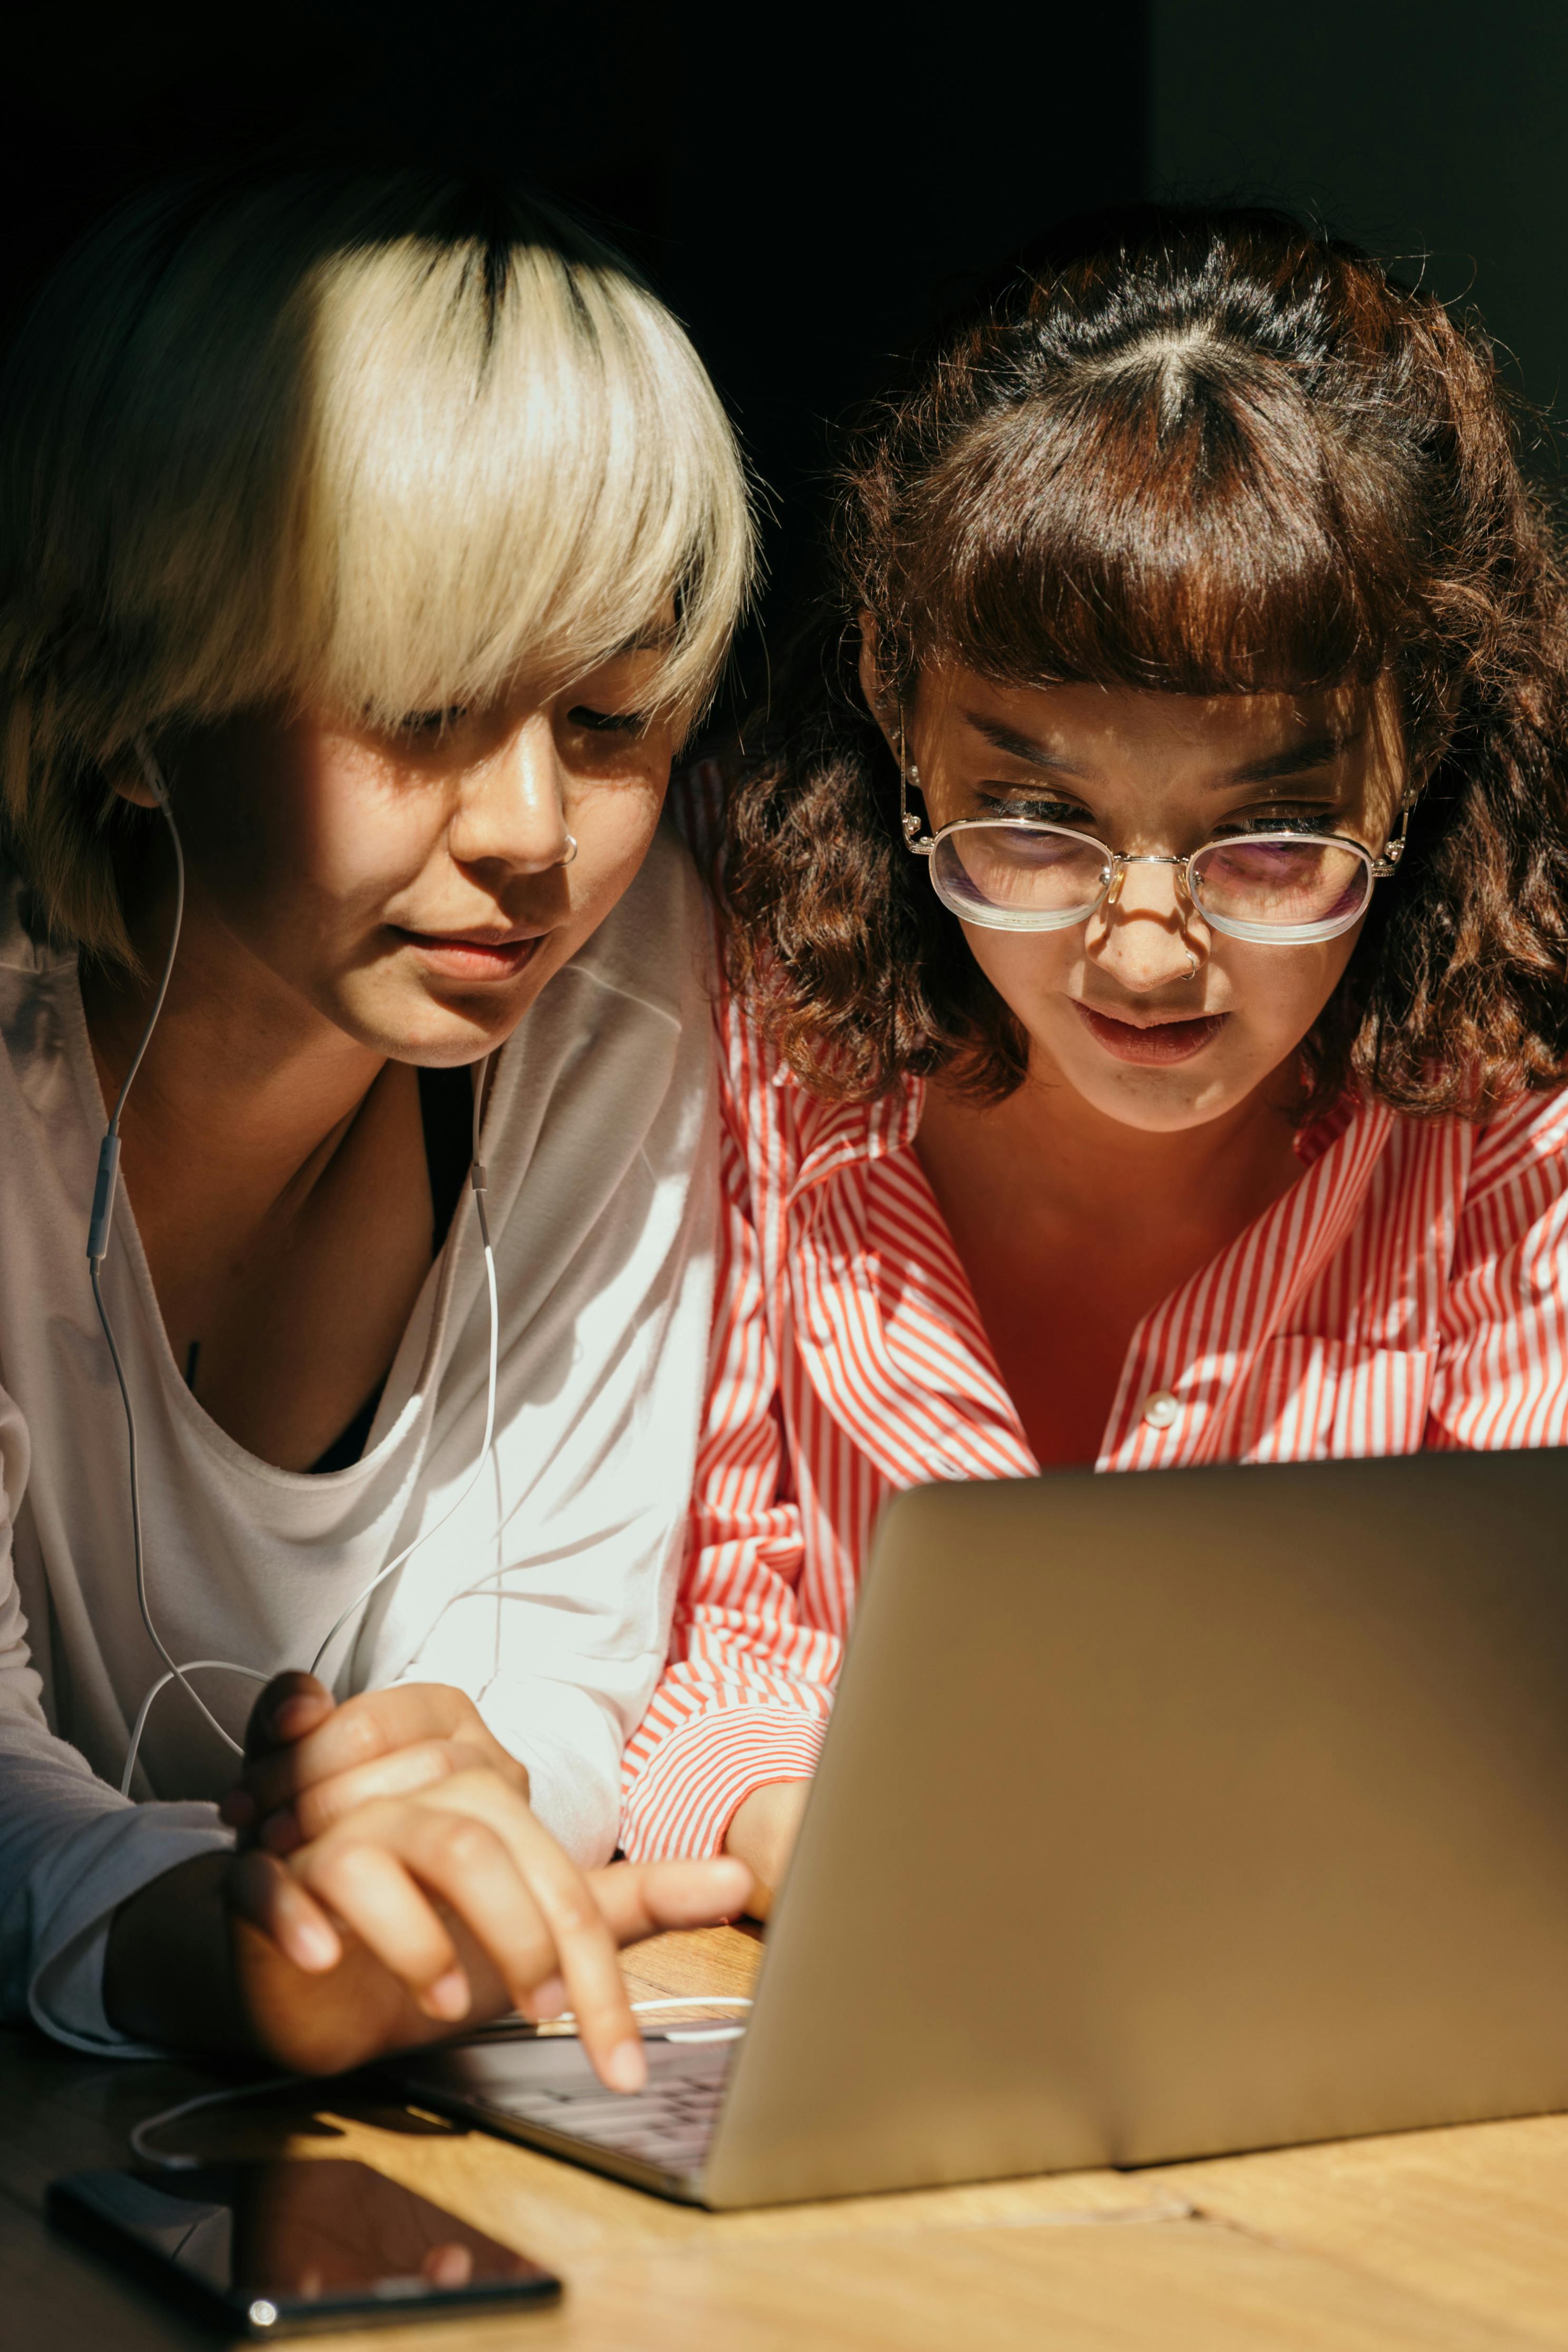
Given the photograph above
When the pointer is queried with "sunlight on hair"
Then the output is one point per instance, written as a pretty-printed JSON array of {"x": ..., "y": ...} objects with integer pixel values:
[
  {"x": 360, "y": 445},
  {"x": 571, "y": 451}
]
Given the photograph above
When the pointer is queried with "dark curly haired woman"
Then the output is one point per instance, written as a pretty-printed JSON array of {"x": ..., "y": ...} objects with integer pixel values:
[{"x": 1194, "y": 631}]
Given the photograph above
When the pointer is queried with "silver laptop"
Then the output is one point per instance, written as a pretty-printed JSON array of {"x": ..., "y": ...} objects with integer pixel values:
[{"x": 1160, "y": 1816}]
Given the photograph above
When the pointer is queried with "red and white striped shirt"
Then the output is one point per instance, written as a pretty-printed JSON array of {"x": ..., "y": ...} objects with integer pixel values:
[{"x": 1409, "y": 1290}]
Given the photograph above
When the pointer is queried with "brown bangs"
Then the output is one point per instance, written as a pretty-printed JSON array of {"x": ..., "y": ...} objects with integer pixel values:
[
  {"x": 1181, "y": 518},
  {"x": 1198, "y": 453}
]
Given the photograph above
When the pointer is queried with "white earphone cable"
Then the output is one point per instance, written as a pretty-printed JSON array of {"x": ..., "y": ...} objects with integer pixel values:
[
  {"x": 178, "y": 1673},
  {"x": 181, "y": 2160},
  {"x": 514, "y": 2029},
  {"x": 96, "y": 1249}
]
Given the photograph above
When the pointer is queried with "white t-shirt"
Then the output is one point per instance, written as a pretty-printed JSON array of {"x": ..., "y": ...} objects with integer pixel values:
[{"x": 599, "y": 1147}]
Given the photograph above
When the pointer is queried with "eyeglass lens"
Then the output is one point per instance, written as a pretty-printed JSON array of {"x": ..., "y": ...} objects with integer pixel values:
[
  {"x": 1289, "y": 883},
  {"x": 1034, "y": 879}
]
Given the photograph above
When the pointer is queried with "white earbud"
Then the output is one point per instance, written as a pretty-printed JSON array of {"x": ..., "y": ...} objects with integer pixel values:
[{"x": 152, "y": 770}]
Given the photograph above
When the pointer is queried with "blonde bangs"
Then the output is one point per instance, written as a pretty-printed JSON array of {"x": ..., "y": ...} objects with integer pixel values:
[
  {"x": 506, "y": 481},
  {"x": 363, "y": 445}
]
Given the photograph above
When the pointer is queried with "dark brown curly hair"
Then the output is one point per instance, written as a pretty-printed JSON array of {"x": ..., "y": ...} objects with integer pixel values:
[{"x": 1203, "y": 452}]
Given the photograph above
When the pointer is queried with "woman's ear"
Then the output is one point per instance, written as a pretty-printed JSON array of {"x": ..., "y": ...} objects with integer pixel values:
[
  {"x": 123, "y": 776},
  {"x": 135, "y": 776},
  {"x": 1402, "y": 771},
  {"x": 871, "y": 685}
]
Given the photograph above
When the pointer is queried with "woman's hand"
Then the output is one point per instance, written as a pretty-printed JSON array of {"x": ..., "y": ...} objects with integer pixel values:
[
  {"x": 447, "y": 1909},
  {"x": 401, "y": 1887},
  {"x": 227, "y": 1953},
  {"x": 308, "y": 1762},
  {"x": 763, "y": 1836}
]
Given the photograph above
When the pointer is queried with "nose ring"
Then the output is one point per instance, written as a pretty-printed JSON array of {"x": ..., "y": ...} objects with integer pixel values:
[
  {"x": 571, "y": 852},
  {"x": 1192, "y": 965}
]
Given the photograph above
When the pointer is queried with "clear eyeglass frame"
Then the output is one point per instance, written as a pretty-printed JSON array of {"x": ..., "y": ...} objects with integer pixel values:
[{"x": 1114, "y": 863}]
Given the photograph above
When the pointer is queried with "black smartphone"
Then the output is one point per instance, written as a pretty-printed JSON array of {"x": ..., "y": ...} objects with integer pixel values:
[{"x": 275, "y": 2248}]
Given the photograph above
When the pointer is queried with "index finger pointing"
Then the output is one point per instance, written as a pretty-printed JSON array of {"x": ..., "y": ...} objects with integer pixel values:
[{"x": 584, "y": 1946}]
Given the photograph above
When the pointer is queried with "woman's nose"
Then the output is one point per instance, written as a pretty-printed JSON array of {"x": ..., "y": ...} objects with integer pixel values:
[
  {"x": 512, "y": 809},
  {"x": 1147, "y": 931}
]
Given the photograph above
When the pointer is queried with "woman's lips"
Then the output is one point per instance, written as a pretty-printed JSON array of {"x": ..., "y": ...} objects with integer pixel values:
[
  {"x": 1159, "y": 1042},
  {"x": 460, "y": 959}
]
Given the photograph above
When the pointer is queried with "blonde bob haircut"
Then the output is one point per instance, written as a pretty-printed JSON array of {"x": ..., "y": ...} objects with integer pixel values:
[{"x": 357, "y": 443}]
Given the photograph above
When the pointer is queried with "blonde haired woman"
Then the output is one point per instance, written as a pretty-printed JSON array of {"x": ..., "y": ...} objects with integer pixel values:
[{"x": 373, "y": 541}]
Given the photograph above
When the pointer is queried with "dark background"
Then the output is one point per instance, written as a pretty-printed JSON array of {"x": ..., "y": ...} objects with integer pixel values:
[
  {"x": 804, "y": 188},
  {"x": 809, "y": 187}
]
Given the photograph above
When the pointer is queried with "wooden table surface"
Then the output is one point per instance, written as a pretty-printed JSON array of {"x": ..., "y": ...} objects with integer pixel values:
[{"x": 1448, "y": 2240}]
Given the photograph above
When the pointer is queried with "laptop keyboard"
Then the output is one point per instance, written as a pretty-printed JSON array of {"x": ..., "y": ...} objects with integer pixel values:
[{"x": 549, "y": 2083}]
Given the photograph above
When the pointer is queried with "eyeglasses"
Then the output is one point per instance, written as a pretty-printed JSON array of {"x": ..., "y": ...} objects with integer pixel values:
[{"x": 1018, "y": 873}]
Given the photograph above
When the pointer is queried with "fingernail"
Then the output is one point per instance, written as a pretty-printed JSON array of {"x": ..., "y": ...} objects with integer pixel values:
[
  {"x": 314, "y": 1946},
  {"x": 546, "y": 1999},
  {"x": 279, "y": 1834},
  {"x": 294, "y": 1716},
  {"x": 447, "y": 1996},
  {"x": 626, "y": 2068},
  {"x": 237, "y": 1809}
]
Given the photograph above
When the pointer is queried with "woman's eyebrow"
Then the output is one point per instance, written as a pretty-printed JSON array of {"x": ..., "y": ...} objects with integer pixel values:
[
  {"x": 1295, "y": 760},
  {"x": 1022, "y": 747}
]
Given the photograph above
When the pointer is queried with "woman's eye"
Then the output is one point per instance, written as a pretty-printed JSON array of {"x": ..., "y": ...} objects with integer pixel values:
[
  {"x": 606, "y": 722},
  {"x": 1039, "y": 811},
  {"x": 1310, "y": 820},
  {"x": 427, "y": 724}
]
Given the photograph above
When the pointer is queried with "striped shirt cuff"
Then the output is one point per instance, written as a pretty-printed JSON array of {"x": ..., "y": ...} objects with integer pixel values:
[{"x": 683, "y": 1800}]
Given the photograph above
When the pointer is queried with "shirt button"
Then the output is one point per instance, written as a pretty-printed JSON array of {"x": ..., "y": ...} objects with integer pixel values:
[{"x": 1160, "y": 1408}]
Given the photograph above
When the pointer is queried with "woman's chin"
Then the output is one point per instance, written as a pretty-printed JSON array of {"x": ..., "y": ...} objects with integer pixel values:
[
  {"x": 1153, "y": 1098},
  {"x": 438, "y": 1033}
]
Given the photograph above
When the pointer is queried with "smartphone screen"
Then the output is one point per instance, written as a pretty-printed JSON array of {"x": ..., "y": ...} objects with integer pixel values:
[{"x": 296, "y": 2242}]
